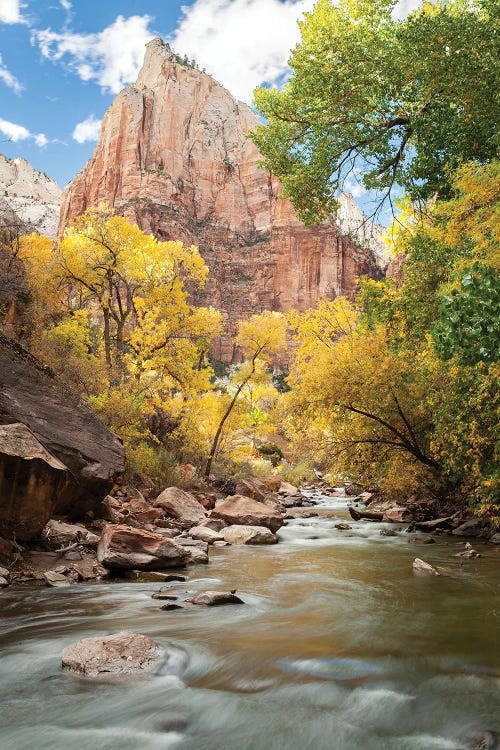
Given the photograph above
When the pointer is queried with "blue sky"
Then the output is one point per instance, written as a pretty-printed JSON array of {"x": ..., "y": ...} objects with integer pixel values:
[{"x": 63, "y": 61}]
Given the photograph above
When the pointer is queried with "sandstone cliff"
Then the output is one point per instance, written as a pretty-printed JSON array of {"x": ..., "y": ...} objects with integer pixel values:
[
  {"x": 30, "y": 195},
  {"x": 173, "y": 156}
]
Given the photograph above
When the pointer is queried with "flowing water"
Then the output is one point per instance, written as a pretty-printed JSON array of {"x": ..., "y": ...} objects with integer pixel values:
[{"x": 339, "y": 646}]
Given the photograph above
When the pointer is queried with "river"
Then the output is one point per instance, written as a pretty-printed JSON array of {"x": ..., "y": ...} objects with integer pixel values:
[{"x": 339, "y": 646}]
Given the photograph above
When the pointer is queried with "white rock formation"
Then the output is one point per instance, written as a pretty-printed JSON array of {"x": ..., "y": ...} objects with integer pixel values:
[
  {"x": 30, "y": 194},
  {"x": 354, "y": 224}
]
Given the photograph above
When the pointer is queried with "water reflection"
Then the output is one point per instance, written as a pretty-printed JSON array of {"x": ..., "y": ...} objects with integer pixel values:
[{"x": 339, "y": 646}]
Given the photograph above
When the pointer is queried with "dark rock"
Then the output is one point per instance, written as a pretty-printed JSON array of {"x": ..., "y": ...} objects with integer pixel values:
[
  {"x": 368, "y": 515},
  {"x": 436, "y": 523},
  {"x": 31, "y": 481},
  {"x": 343, "y": 526},
  {"x": 495, "y": 539},
  {"x": 171, "y": 606},
  {"x": 215, "y": 598},
  {"x": 119, "y": 654},
  {"x": 3, "y": 582},
  {"x": 66, "y": 427},
  {"x": 387, "y": 532},
  {"x": 162, "y": 595},
  {"x": 173, "y": 577},
  {"x": 468, "y": 552}
]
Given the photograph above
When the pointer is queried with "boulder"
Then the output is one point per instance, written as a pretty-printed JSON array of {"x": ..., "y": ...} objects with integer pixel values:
[
  {"x": 119, "y": 654},
  {"x": 215, "y": 598},
  {"x": 65, "y": 426},
  {"x": 31, "y": 481},
  {"x": 125, "y": 547},
  {"x": 139, "y": 510},
  {"x": 57, "y": 534},
  {"x": 204, "y": 534},
  {"x": 54, "y": 579},
  {"x": 181, "y": 505},
  {"x": 343, "y": 526},
  {"x": 495, "y": 539},
  {"x": 368, "y": 515},
  {"x": 243, "y": 511},
  {"x": 422, "y": 539},
  {"x": 249, "y": 535},
  {"x": 444, "y": 522}
]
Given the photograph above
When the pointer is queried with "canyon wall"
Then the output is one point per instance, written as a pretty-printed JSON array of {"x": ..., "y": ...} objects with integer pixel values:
[{"x": 173, "y": 155}]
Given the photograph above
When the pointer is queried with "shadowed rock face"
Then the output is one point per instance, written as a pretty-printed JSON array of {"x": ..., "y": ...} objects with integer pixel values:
[
  {"x": 91, "y": 456},
  {"x": 174, "y": 156}
]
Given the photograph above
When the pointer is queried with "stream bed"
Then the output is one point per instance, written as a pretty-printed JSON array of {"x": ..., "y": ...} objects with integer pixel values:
[{"x": 339, "y": 646}]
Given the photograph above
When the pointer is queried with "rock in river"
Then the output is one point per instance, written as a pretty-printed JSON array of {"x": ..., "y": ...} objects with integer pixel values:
[
  {"x": 215, "y": 598},
  {"x": 420, "y": 566},
  {"x": 119, "y": 654},
  {"x": 126, "y": 547},
  {"x": 249, "y": 535},
  {"x": 241, "y": 510}
]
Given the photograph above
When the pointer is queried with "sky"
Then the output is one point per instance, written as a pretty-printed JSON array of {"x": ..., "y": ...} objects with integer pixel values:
[{"x": 63, "y": 61}]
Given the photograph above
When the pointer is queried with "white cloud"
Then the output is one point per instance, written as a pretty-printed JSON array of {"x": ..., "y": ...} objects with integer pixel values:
[
  {"x": 87, "y": 130},
  {"x": 242, "y": 43},
  {"x": 65, "y": 4},
  {"x": 112, "y": 57},
  {"x": 9, "y": 79},
  {"x": 14, "y": 132},
  {"x": 10, "y": 11}
]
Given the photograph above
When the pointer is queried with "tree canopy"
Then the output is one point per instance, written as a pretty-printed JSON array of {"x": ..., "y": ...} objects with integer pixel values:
[{"x": 394, "y": 102}]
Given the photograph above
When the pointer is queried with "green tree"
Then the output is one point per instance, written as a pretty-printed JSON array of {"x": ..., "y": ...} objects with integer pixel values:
[{"x": 404, "y": 102}]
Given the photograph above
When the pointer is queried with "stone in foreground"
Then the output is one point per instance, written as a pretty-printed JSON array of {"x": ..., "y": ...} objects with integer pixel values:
[
  {"x": 215, "y": 598},
  {"x": 125, "y": 547},
  {"x": 205, "y": 534},
  {"x": 181, "y": 505},
  {"x": 243, "y": 511},
  {"x": 58, "y": 534},
  {"x": 119, "y": 654},
  {"x": 249, "y": 535}
]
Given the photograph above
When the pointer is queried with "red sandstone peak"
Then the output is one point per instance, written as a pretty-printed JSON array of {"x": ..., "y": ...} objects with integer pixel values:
[{"x": 173, "y": 155}]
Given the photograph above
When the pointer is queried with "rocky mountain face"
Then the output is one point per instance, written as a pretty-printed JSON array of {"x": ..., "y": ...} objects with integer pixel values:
[
  {"x": 173, "y": 155},
  {"x": 29, "y": 195}
]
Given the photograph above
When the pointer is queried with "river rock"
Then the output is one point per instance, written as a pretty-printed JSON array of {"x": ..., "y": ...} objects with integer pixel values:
[
  {"x": 57, "y": 534},
  {"x": 369, "y": 515},
  {"x": 164, "y": 595},
  {"x": 122, "y": 546},
  {"x": 215, "y": 598},
  {"x": 243, "y": 511},
  {"x": 397, "y": 514},
  {"x": 181, "y": 505},
  {"x": 387, "y": 532},
  {"x": 422, "y": 539},
  {"x": 249, "y": 535},
  {"x": 31, "y": 481},
  {"x": 495, "y": 539},
  {"x": 343, "y": 526},
  {"x": 445, "y": 522},
  {"x": 288, "y": 489},
  {"x": 468, "y": 552},
  {"x": 420, "y": 566},
  {"x": 92, "y": 457},
  {"x": 204, "y": 534},
  {"x": 3, "y": 582},
  {"x": 120, "y": 654}
]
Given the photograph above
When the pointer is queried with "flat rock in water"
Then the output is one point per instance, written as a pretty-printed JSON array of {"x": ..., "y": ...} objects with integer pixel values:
[
  {"x": 215, "y": 598},
  {"x": 422, "y": 539},
  {"x": 343, "y": 526},
  {"x": 420, "y": 566},
  {"x": 388, "y": 532},
  {"x": 119, "y": 654},
  {"x": 164, "y": 595},
  {"x": 171, "y": 606},
  {"x": 249, "y": 535}
]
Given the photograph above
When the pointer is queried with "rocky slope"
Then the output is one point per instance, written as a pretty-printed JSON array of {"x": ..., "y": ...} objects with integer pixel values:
[
  {"x": 33, "y": 197},
  {"x": 173, "y": 156}
]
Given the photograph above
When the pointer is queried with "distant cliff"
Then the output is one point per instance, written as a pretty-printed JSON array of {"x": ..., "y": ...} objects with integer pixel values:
[
  {"x": 30, "y": 195},
  {"x": 173, "y": 156}
]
